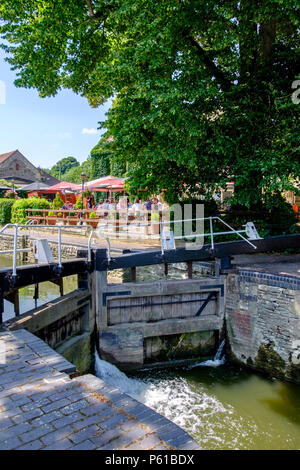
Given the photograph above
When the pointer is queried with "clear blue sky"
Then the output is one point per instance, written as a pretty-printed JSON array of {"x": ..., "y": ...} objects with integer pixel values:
[{"x": 46, "y": 129}]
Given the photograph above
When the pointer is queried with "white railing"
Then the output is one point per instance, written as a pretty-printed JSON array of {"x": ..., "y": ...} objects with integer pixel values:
[
  {"x": 249, "y": 230},
  {"x": 32, "y": 226}
]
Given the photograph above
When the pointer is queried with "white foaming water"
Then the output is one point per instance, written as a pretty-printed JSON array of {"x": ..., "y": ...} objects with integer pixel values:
[
  {"x": 202, "y": 404},
  {"x": 217, "y": 361},
  {"x": 174, "y": 398},
  {"x": 112, "y": 375}
]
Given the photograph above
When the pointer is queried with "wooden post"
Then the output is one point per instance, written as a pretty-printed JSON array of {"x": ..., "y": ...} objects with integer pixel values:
[
  {"x": 24, "y": 242},
  {"x": 1, "y": 306},
  {"x": 133, "y": 274},
  {"x": 100, "y": 290},
  {"x": 60, "y": 283},
  {"x": 166, "y": 269},
  {"x": 190, "y": 269},
  {"x": 36, "y": 293},
  {"x": 16, "y": 302}
]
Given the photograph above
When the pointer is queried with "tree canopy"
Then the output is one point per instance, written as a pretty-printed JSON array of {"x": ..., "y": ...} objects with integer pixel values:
[
  {"x": 202, "y": 89},
  {"x": 74, "y": 174},
  {"x": 63, "y": 166},
  {"x": 103, "y": 160}
]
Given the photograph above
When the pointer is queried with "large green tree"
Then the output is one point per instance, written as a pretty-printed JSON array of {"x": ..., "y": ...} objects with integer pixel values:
[
  {"x": 103, "y": 160},
  {"x": 63, "y": 166},
  {"x": 74, "y": 174},
  {"x": 202, "y": 89}
]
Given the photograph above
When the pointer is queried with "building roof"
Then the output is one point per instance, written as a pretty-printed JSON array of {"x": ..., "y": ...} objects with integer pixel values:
[
  {"x": 4, "y": 156},
  {"x": 35, "y": 186},
  {"x": 48, "y": 179},
  {"x": 64, "y": 185}
]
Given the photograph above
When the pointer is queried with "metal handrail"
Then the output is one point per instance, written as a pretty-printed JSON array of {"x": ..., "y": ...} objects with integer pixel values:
[
  {"x": 34, "y": 225},
  {"x": 30, "y": 226},
  {"x": 211, "y": 233}
]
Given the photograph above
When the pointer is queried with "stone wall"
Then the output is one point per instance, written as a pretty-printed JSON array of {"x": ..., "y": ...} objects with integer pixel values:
[
  {"x": 263, "y": 322},
  {"x": 17, "y": 166}
]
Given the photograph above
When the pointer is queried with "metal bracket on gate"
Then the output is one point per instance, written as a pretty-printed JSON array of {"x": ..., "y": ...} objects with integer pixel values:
[
  {"x": 167, "y": 241},
  {"x": 251, "y": 231}
]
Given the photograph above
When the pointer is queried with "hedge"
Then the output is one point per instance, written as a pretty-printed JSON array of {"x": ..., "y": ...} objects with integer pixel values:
[
  {"x": 19, "y": 214},
  {"x": 5, "y": 210}
]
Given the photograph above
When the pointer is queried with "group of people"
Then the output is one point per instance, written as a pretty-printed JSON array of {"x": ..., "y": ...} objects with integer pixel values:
[{"x": 136, "y": 207}]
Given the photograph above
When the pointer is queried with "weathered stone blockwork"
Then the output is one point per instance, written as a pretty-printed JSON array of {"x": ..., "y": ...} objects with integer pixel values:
[{"x": 263, "y": 322}]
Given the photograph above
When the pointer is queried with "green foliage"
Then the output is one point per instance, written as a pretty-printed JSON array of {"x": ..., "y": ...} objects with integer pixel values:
[
  {"x": 63, "y": 166},
  {"x": 86, "y": 193},
  {"x": 6, "y": 183},
  {"x": 100, "y": 157},
  {"x": 5, "y": 210},
  {"x": 92, "y": 215},
  {"x": 50, "y": 214},
  {"x": 18, "y": 212},
  {"x": 11, "y": 194},
  {"x": 74, "y": 174},
  {"x": 78, "y": 202},
  {"x": 57, "y": 202},
  {"x": 274, "y": 216},
  {"x": 202, "y": 90},
  {"x": 103, "y": 161},
  {"x": 295, "y": 228},
  {"x": 155, "y": 216}
]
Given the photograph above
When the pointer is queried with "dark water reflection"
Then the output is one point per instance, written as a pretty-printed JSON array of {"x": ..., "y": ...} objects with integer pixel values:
[{"x": 47, "y": 292}]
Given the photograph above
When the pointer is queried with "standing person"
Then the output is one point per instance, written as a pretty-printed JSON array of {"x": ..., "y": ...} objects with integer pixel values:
[
  {"x": 137, "y": 207},
  {"x": 148, "y": 204},
  {"x": 112, "y": 205},
  {"x": 155, "y": 204},
  {"x": 105, "y": 204}
]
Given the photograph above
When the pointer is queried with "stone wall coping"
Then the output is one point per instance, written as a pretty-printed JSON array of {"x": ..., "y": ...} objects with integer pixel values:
[{"x": 272, "y": 279}]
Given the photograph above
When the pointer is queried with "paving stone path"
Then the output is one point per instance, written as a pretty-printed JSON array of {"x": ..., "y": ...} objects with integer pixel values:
[{"x": 43, "y": 407}]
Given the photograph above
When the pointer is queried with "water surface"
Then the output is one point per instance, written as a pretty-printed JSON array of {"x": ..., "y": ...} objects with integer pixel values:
[{"x": 221, "y": 407}]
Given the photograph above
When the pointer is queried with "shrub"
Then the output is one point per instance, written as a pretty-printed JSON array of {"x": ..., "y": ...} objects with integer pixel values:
[
  {"x": 78, "y": 203},
  {"x": 18, "y": 212},
  {"x": 92, "y": 215},
  {"x": 57, "y": 202},
  {"x": 5, "y": 210},
  {"x": 274, "y": 217},
  {"x": 11, "y": 194},
  {"x": 50, "y": 214},
  {"x": 155, "y": 216},
  {"x": 87, "y": 193}
]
